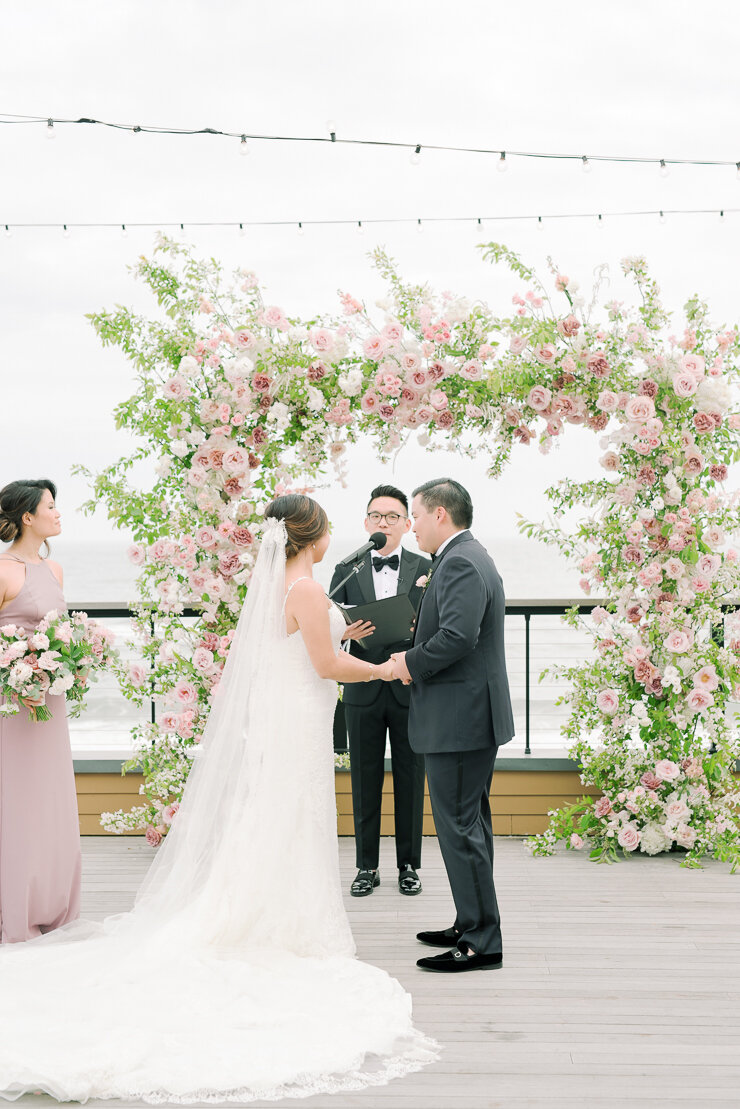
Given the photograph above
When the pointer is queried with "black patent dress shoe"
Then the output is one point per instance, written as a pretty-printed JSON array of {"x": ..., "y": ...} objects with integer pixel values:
[
  {"x": 364, "y": 883},
  {"x": 447, "y": 937},
  {"x": 408, "y": 880},
  {"x": 453, "y": 962}
]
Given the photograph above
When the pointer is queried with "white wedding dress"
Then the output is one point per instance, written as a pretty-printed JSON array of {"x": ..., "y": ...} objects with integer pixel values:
[{"x": 234, "y": 977}]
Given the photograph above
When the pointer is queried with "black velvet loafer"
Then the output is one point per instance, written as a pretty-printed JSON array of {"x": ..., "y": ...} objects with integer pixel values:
[
  {"x": 447, "y": 937},
  {"x": 408, "y": 880},
  {"x": 364, "y": 883},
  {"x": 452, "y": 962}
]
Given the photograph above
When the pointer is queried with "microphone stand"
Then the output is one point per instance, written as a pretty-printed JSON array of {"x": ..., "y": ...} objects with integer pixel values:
[{"x": 355, "y": 570}]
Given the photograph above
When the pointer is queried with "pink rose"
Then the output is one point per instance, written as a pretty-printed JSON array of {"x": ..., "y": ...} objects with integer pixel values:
[
  {"x": 650, "y": 780},
  {"x": 186, "y": 693},
  {"x": 137, "y": 554},
  {"x": 137, "y": 674},
  {"x": 176, "y": 388},
  {"x": 569, "y": 326},
  {"x": 472, "y": 370},
  {"x": 602, "y": 807},
  {"x": 235, "y": 461},
  {"x": 639, "y": 409},
  {"x": 321, "y": 339},
  {"x": 229, "y": 563},
  {"x": 665, "y": 771},
  {"x": 370, "y": 402},
  {"x": 203, "y": 660},
  {"x": 445, "y": 420},
  {"x": 685, "y": 836},
  {"x": 597, "y": 364},
  {"x": 676, "y": 811},
  {"x": 152, "y": 836},
  {"x": 374, "y": 347},
  {"x": 422, "y": 581},
  {"x": 648, "y": 388},
  {"x": 438, "y": 400},
  {"x": 607, "y": 401},
  {"x": 517, "y": 344},
  {"x": 699, "y": 699},
  {"x": 706, "y": 678},
  {"x": 607, "y": 701},
  {"x": 694, "y": 461},
  {"x": 539, "y": 398},
  {"x": 545, "y": 353},
  {"x": 206, "y": 537},
  {"x": 275, "y": 317},
  {"x": 629, "y": 837},
  {"x": 242, "y": 537},
  {"x": 576, "y": 841},
  {"x": 718, "y": 472},
  {"x": 693, "y": 364},
  {"x": 684, "y": 384},
  {"x": 169, "y": 813},
  {"x": 679, "y": 641},
  {"x": 393, "y": 331}
]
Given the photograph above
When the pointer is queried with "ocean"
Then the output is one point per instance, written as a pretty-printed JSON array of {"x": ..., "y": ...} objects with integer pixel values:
[{"x": 99, "y": 573}]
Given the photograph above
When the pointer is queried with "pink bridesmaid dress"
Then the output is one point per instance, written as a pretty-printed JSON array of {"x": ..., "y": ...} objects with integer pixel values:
[{"x": 40, "y": 863}]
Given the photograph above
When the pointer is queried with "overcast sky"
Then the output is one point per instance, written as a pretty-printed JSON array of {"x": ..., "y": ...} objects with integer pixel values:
[{"x": 655, "y": 78}]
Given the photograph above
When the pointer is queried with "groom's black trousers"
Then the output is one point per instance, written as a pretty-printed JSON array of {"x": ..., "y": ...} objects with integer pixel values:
[
  {"x": 459, "y": 787},
  {"x": 367, "y": 726}
]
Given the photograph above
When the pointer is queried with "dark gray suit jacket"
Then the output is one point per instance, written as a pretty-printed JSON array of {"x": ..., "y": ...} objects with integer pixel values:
[
  {"x": 360, "y": 590},
  {"x": 460, "y": 694}
]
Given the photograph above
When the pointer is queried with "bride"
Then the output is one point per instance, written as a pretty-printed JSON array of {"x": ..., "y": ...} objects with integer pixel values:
[{"x": 234, "y": 976}]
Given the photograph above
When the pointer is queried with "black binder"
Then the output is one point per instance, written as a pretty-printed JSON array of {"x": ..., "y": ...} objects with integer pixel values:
[{"x": 393, "y": 618}]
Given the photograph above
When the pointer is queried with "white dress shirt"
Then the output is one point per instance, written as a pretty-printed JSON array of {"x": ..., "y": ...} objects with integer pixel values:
[
  {"x": 449, "y": 539},
  {"x": 385, "y": 581}
]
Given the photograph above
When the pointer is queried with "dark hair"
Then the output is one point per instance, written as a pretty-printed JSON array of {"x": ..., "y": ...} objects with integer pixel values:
[
  {"x": 305, "y": 521},
  {"x": 18, "y": 498},
  {"x": 389, "y": 491},
  {"x": 443, "y": 492}
]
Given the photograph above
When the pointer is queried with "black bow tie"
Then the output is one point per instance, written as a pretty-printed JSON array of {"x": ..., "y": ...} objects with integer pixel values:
[{"x": 392, "y": 562}]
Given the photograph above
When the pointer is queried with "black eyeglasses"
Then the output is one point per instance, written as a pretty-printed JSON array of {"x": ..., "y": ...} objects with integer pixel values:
[{"x": 390, "y": 518}]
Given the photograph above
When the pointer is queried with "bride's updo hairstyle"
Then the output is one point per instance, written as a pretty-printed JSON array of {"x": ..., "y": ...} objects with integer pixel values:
[
  {"x": 305, "y": 521},
  {"x": 18, "y": 498}
]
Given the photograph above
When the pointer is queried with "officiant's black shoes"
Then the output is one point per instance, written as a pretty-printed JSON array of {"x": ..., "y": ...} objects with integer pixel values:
[
  {"x": 452, "y": 962},
  {"x": 364, "y": 883},
  {"x": 446, "y": 938},
  {"x": 408, "y": 880}
]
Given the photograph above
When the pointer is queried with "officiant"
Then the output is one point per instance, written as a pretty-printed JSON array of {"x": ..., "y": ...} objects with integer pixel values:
[{"x": 374, "y": 710}]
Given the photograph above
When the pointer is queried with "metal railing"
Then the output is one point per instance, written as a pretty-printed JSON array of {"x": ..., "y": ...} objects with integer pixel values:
[{"x": 525, "y": 609}]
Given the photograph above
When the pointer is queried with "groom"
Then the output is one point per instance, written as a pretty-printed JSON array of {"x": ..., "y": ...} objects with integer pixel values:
[{"x": 460, "y": 714}]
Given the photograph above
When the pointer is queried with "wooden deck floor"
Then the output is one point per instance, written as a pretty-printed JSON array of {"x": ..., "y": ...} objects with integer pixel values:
[{"x": 621, "y": 984}]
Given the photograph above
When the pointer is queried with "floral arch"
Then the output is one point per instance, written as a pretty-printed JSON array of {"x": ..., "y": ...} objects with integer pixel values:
[{"x": 239, "y": 402}]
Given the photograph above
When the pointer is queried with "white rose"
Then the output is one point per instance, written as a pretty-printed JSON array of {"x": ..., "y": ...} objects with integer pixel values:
[
  {"x": 189, "y": 366},
  {"x": 350, "y": 383},
  {"x": 39, "y": 642},
  {"x": 654, "y": 840},
  {"x": 163, "y": 467},
  {"x": 713, "y": 395},
  {"x": 179, "y": 447},
  {"x": 316, "y": 399}
]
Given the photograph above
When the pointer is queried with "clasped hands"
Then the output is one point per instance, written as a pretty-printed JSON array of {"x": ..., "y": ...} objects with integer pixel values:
[{"x": 395, "y": 669}]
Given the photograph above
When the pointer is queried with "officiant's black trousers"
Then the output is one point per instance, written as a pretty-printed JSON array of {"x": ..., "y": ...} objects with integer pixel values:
[
  {"x": 459, "y": 788},
  {"x": 367, "y": 726}
]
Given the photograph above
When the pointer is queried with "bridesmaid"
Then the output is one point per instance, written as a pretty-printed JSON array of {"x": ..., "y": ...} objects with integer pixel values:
[{"x": 40, "y": 860}]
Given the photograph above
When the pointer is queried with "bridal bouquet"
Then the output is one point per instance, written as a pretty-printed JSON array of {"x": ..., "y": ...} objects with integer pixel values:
[{"x": 60, "y": 656}]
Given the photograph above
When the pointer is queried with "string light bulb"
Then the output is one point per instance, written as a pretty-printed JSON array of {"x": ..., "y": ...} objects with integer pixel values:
[
  {"x": 331, "y": 126},
  {"x": 540, "y": 224},
  {"x": 501, "y": 166},
  {"x": 243, "y": 146},
  {"x": 415, "y": 157},
  {"x": 585, "y": 164},
  {"x": 65, "y": 231},
  {"x": 722, "y": 215},
  {"x": 599, "y": 220},
  {"x": 124, "y": 232},
  {"x": 8, "y": 232},
  {"x": 242, "y": 230},
  {"x": 50, "y": 132},
  {"x": 300, "y": 228},
  {"x": 737, "y": 170},
  {"x": 661, "y": 216},
  {"x": 419, "y": 227},
  {"x": 360, "y": 228},
  {"x": 663, "y": 171}
]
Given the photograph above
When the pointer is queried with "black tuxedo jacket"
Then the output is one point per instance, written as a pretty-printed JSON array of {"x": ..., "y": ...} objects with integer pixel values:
[
  {"x": 360, "y": 590},
  {"x": 460, "y": 694}
]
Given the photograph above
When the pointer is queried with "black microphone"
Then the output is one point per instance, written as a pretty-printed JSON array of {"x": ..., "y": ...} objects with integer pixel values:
[{"x": 376, "y": 543}]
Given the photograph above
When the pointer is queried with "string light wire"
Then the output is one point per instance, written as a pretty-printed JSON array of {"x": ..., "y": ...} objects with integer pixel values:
[{"x": 51, "y": 122}]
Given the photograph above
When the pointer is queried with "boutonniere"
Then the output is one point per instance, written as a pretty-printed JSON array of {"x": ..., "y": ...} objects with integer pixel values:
[{"x": 423, "y": 581}]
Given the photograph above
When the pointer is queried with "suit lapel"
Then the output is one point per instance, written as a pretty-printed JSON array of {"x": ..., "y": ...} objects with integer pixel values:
[
  {"x": 461, "y": 537},
  {"x": 365, "y": 580},
  {"x": 406, "y": 570}
]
